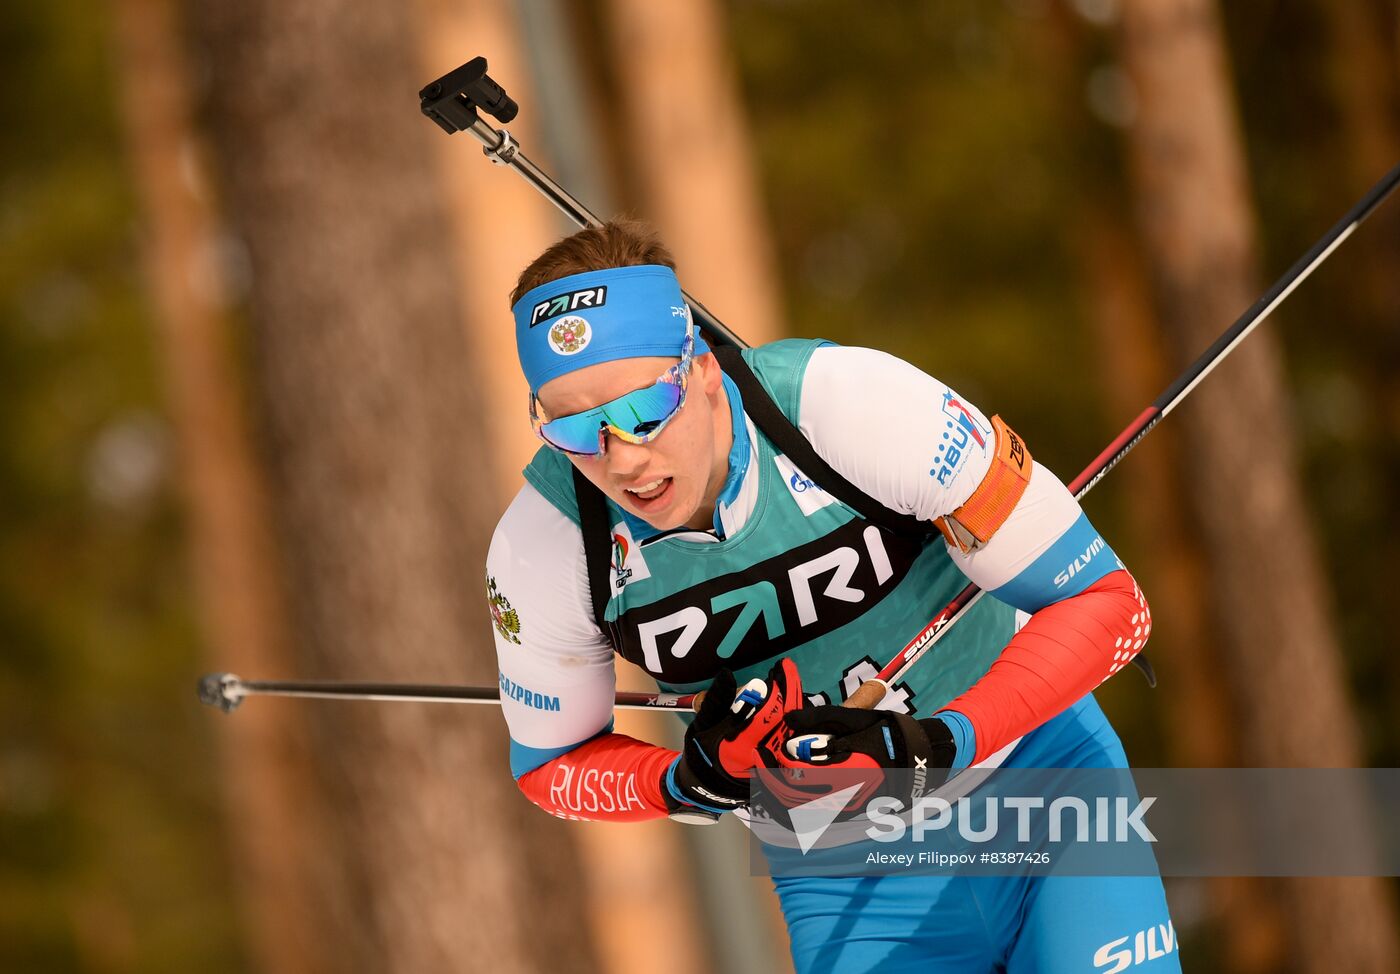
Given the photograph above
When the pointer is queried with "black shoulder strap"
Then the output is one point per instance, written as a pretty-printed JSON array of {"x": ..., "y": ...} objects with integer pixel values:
[
  {"x": 788, "y": 438},
  {"x": 593, "y": 506},
  {"x": 597, "y": 545}
]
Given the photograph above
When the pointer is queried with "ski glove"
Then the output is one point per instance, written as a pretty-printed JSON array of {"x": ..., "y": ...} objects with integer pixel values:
[
  {"x": 713, "y": 769},
  {"x": 869, "y": 741}
]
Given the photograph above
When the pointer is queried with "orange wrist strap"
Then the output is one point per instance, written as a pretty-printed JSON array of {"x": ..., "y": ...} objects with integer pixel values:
[{"x": 972, "y": 525}]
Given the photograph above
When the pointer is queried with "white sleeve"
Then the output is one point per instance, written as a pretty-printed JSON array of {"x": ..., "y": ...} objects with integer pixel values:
[
  {"x": 915, "y": 445},
  {"x": 556, "y": 667}
]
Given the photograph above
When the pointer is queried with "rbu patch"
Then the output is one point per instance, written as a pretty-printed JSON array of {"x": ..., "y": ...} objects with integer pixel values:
[
  {"x": 961, "y": 433},
  {"x": 592, "y": 297}
]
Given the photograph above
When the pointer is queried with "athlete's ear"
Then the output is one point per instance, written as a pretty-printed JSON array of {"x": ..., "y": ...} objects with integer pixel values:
[{"x": 708, "y": 373}]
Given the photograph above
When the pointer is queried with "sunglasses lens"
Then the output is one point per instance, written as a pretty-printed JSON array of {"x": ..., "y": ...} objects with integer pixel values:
[
  {"x": 642, "y": 413},
  {"x": 635, "y": 417},
  {"x": 574, "y": 434}
]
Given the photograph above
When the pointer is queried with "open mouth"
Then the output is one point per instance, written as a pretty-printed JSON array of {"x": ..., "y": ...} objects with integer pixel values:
[{"x": 650, "y": 494}]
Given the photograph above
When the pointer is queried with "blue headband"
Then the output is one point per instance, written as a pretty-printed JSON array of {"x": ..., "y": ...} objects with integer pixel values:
[{"x": 584, "y": 319}]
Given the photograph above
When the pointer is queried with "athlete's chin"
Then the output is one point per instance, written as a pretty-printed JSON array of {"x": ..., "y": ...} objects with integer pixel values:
[{"x": 665, "y": 524}]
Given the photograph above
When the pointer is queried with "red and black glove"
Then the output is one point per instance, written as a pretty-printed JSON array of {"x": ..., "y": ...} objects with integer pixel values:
[
  {"x": 843, "y": 737},
  {"x": 713, "y": 770},
  {"x": 864, "y": 742}
]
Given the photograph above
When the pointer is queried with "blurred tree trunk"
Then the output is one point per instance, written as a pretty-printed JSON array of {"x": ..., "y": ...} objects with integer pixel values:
[
  {"x": 1367, "y": 90},
  {"x": 1255, "y": 937},
  {"x": 498, "y": 222},
  {"x": 384, "y": 498},
  {"x": 1133, "y": 365},
  {"x": 1363, "y": 62},
  {"x": 1365, "y": 74},
  {"x": 1281, "y": 660},
  {"x": 685, "y": 141},
  {"x": 636, "y": 914},
  {"x": 686, "y": 138},
  {"x": 268, "y": 808}
]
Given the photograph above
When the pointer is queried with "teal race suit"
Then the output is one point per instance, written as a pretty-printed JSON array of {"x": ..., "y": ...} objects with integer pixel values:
[{"x": 789, "y": 570}]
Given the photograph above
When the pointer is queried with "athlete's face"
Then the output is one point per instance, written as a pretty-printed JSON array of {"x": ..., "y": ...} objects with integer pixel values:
[{"x": 674, "y": 479}]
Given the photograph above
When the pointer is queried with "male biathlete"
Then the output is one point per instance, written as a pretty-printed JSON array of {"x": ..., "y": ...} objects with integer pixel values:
[{"x": 732, "y": 568}]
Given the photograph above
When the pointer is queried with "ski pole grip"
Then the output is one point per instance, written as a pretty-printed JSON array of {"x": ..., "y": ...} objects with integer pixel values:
[
  {"x": 867, "y": 696},
  {"x": 453, "y": 99}
]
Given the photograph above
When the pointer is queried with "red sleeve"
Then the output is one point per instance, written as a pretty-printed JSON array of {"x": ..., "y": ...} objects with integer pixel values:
[
  {"x": 612, "y": 778},
  {"x": 1064, "y": 651}
]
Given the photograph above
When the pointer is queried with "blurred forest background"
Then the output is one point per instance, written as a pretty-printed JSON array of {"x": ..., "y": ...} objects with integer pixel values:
[{"x": 262, "y": 411}]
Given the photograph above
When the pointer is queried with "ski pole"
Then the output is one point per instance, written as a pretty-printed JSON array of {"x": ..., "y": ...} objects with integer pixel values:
[
  {"x": 869, "y": 693},
  {"x": 453, "y": 100},
  {"x": 226, "y": 691}
]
